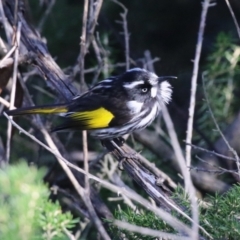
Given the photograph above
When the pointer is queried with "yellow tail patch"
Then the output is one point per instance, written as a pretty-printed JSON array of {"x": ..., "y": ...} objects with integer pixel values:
[
  {"x": 99, "y": 118},
  {"x": 49, "y": 110}
]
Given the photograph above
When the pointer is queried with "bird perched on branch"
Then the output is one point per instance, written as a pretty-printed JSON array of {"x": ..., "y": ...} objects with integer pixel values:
[{"x": 113, "y": 107}]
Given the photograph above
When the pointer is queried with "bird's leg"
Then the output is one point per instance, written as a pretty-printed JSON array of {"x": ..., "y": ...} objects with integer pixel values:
[{"x": 119, "y": 141}]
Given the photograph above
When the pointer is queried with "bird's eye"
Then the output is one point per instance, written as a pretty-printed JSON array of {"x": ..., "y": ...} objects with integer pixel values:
[{"x": 144, "y": 90}]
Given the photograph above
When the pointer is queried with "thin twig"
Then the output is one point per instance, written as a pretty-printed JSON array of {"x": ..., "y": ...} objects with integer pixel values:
[
  {"x": 214, "y": 153},
  {"x": 46, "y": 14},
  {"x": 95, "y": 8},
  {"x": 97, "y": 51},
  {"x": 15, "y": 13},
  {"x": 83, "y": 45},
  {"x": 7, "y": 55},
  {"x": 234, "y": 18},
  {"x": 85, "y": 159},
  {"x": 206, "y": 5},
  {"x": 182, "y": 163},
  {"x": 148, "y": 231},
  {"x": 5, "y": 102},
  {"x": 14, "y": 85},
  {"x": 221, "y": 171},
  {"x": 125, "y": 32},
  {"x": 5, "y": 24},
  {"x": 68, "y": 233},
  {"x": 148, "y": 63},
  {"x": 3, "y": 46}
]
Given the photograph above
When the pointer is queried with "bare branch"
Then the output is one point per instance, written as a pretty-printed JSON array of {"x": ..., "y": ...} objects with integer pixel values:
[
  {"x": 185, "y": 172},
  {"x": 149, "y": 231},
  {"x": 83, "y": 48},
  {"x": 206, "y": 5},
  {"x": 234, "y": 18},
  {"x": 5, "y": 24},
  {"x": 125, "y": 32},
  {"x": 85, "y": 159},
  {"x": 213, "y": 152},
  {"x": 14, "y": 84},
  {"x": 46, "y": 14},
  {"x": 50, "y": 71}
]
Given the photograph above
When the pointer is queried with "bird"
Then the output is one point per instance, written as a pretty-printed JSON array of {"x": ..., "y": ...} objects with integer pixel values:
[{"x": 113, "y": 107}]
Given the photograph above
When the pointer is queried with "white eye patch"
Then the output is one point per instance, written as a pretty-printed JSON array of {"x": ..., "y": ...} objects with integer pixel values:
[
  {"x": 154, "y": 92},
  {"x": 133, "y": 84},
  {"x": 137, "y": 70}
]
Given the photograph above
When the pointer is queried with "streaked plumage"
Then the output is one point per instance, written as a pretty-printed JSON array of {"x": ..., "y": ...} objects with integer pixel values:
[{"x": 113, "y": 107}]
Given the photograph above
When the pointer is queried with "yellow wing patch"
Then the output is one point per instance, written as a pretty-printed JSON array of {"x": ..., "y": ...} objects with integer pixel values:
[{"x": 99, "y": 118}]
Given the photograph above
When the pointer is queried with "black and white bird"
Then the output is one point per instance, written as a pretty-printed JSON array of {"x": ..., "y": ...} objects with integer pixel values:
[{"x": 113, "y": 107}]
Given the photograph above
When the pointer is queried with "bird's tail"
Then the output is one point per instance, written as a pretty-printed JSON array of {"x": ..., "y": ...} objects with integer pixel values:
[{"x": 47, "y": 109}]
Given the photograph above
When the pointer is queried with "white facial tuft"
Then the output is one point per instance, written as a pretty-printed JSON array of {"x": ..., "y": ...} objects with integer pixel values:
[
  {"x": 166, "y": 91},
  {"x": 135, "y": 107},
  {"x": 107, "y": 81}
]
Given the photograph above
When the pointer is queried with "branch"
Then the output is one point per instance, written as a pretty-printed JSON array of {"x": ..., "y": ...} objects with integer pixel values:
[
  {"x": 234, "y": 18},
  {"x": 125, "y": 32},
  {"x": 50, "y": 71},
  {"x": 206, "y": 5},
  {"x": 14, "y": 86}
]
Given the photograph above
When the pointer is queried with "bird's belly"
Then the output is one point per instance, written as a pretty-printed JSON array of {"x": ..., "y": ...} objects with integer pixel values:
[{"x": 139, "y": 122}]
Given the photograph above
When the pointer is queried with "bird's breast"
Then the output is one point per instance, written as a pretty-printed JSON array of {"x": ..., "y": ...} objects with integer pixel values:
[{"x": 134, "y": 106}]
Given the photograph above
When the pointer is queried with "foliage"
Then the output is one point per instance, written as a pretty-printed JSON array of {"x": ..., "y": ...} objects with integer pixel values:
[
  {"x": 142, "y": 218},
  {"x": 26, "y": 212},
  {"x": 220, "y": 81},
  {"x": 220, "y": 218}
]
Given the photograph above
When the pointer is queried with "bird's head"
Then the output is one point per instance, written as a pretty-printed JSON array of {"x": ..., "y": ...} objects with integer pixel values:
[{"x": 143, "y": 86}]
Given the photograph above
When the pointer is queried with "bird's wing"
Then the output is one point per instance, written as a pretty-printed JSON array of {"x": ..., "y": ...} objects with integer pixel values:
[
  {"x": 93, "y": 110},
  {"x": 86, "y": 113}
]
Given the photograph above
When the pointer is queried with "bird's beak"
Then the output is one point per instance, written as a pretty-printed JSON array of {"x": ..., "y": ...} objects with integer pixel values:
[{"x": 161, "y": 79}]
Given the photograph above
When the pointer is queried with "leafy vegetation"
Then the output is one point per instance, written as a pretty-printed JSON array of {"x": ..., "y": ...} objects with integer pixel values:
[
  {"x": 219, "y": 217},
  {"x": 26, "y": 212},
  {"x": 220, "y": 82}
]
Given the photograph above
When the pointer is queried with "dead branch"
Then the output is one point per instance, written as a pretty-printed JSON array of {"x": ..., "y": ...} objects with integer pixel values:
[{"x": 32, "y": 41}]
